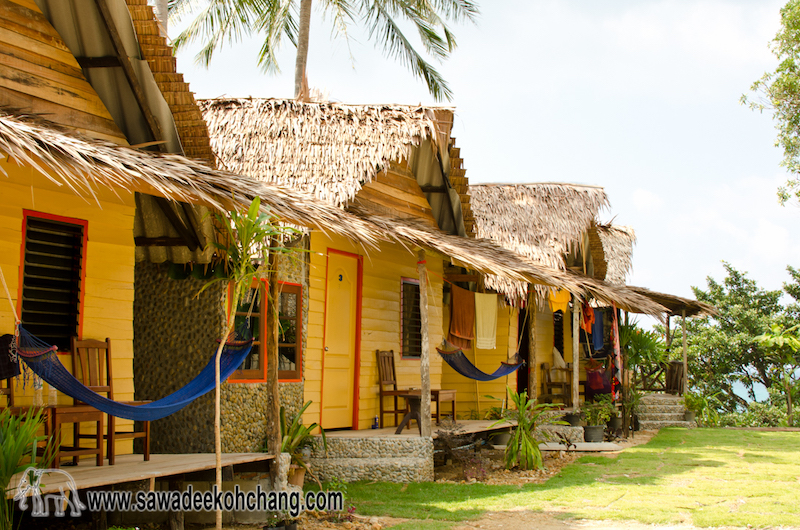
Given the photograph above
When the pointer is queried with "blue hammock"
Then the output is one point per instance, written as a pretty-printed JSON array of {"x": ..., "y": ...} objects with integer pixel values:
[
  {"x": 458, "y": 361},
  {"x": 43, "y": 360}
]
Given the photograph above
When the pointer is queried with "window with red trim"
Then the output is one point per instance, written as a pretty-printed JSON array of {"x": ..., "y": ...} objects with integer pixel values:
[
  {"x": 52, "y": 277},
  {"x": 411, "y": 321},
  {"x": 290, "y": 333}
]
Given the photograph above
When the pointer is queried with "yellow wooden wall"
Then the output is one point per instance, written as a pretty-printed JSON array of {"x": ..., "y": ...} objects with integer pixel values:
[
  {"x": 472, "y": 403},
  {"x": 544, "y": 341},
  {"x": 380, "y": 320},
  {"x": 108, "y": 287}
]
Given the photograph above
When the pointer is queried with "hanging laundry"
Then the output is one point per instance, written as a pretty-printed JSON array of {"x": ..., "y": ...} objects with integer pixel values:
[
  {"x": 462, "y": 317},
  {"x": 559, "y": 301},
  {"x": 598, "y": 340},
  {"x": 485, "y": 321},
  {"x": 587, "y": 317}
]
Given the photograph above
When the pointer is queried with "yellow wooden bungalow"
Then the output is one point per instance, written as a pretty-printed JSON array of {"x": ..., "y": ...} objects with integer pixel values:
[
  {"x": 396, "y": 167},
  {"x": 556, "y": 224},
  {"x": 97, "y": 195}
]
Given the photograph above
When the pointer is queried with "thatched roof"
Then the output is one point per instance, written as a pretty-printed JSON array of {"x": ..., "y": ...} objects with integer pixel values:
[
  {"x": 541, "y": 221},
  {"x": 83, "y": 165},
  {"x": 616, "y": 248},
  {"x": 676, "y": 304},
  {"x": 328, "y": 149}
]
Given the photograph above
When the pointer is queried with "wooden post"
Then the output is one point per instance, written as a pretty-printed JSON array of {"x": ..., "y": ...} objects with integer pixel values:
[
  {"x": 533, "y": 363},
  {"x": 576, "y": 358},
  {"x": 425, "y": 361},
  {"x": 273, "y": 412},
  {"x": 685, "y": 355}
]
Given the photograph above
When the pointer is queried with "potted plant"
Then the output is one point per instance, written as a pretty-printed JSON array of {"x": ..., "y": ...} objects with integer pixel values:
[
  {"x": 297, "y": 440},
  {"x": 694, "y": 405},
  {"x": 573, "y": 418},
  {"x": 597, "y": 414},
  {"x": 523, "y": 448}
]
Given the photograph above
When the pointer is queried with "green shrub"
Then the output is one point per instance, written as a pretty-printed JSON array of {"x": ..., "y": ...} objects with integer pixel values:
[{"x": 756, "y": 415}]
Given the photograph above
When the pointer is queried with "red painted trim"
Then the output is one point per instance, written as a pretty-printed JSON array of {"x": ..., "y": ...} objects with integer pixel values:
[
  {"x": 299, "y": 361},
  {"x": 84, "y": 224},
  {"x": 263, "y": 379},
  {"x": 290, "y": 380},
  {"x": 357, "y": 356},
  {"x": 414, "y": 281},
  {"x": 324, "y": 338}
]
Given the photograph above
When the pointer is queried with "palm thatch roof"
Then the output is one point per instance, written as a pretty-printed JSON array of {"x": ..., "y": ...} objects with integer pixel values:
[
  {"x": 612, "y": 251},
  {"x": 328, "y": 149},
  {"x": 676, "y": 304},
  {"x": 83, "y": 165},
  {"x": 541, "y": 221}
]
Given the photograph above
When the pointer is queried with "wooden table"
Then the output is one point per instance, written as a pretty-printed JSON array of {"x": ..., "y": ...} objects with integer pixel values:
[
  {"x": 413, "y": 398},
  {"x": 413, "y": 401}
]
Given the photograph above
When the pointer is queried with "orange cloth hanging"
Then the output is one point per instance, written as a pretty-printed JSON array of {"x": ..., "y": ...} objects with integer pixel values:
[
  {"x": 462, "y": 317},
  {"x": 587, "y": 317}
]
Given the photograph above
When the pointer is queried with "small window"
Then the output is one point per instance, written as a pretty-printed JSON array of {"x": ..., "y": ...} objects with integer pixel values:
[
  {"x": 252, "y": 307},
  {"x": 51, "y": 278},
  {"x": 290, "y": 334},
  {"x": 411, "y": 322}
]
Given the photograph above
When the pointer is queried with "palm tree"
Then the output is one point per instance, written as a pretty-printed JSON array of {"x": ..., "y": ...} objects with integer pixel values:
[{"x": 230, "y": 20}]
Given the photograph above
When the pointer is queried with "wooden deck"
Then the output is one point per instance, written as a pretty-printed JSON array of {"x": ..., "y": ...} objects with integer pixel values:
[
  {"x": 131, "y": 468},
  {"x": 467, "y": 426}
]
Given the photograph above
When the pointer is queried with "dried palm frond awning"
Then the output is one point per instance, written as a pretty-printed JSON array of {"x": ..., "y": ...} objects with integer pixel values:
[
  {"x": 83, "y": 165},
  {"x": 328, "y": 149},
  {"x": 675, "y": 304},
  {"x": 487, "y": 257}
]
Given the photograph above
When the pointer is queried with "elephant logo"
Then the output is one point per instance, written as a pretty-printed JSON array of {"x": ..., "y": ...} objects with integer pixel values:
[{"x": 30, "y": 485}]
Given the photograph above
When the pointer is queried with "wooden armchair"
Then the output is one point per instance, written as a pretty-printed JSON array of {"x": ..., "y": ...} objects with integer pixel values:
[
  {"x": 556, "y": 390},
  {"x": 387, "y": 377}
]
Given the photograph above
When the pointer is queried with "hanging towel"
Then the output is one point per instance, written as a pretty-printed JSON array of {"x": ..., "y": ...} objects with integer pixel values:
[
  {"x": 462, "y": 317},
  {"x": 597, "y": 330},
  {"x": 587, "y": 317},
  {"x": 485, "y": 321},
  {"x": 559, "y": 301}
]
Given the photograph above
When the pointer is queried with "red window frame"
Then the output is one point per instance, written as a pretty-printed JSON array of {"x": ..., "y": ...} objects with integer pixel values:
[{"x": 84, "y": 224}]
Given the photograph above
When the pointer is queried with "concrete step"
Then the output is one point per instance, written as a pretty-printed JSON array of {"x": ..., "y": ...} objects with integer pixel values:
[
  {"x": 374, "y": 447},
  {"x": 660, "y": 399},
  {"x": 661, "y": 416},
  {"x": 655, "y": 425},
  {"x": 661, "y": 409},
  {"x": 380, "y": 469}
]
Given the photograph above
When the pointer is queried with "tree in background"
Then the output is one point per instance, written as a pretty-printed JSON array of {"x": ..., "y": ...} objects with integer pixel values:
[
  {"x": 783, "y": 346},
  {"x": 726, "y": 349},
  {"x": 276, "y": 20},
  {"x": 779, "y": 91}
]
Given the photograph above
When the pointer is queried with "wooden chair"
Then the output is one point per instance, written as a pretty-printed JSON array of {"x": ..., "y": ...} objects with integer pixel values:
[
  {"x": 89, "y": 359},
  {"x": 556, "y": 390},
  {"x": 387, "y": 377}
]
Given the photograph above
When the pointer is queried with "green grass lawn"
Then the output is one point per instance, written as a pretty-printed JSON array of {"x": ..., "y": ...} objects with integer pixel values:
[{"x": 707, "y": 477}]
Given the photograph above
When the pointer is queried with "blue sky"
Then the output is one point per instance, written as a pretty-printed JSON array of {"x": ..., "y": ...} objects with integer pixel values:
[{"x": 638, "y": 96}]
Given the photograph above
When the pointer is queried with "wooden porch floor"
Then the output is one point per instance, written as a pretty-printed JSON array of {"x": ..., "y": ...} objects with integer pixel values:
[
  {"x": 468, "y": 426},
  {"x": 131, "y": 468}
]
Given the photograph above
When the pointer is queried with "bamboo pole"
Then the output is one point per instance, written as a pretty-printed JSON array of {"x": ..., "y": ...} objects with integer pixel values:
[
  {"x": 425, "y": 361},
  {"x": 273, "y": 414},
  {"x": 685, "y": 354},
  {"x": 576, "y": 359},
  {"x": 533, "y": 364}
]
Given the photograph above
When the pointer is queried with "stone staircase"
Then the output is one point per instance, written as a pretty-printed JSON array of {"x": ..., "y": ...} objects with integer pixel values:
[{"x": 662, "y": 410}]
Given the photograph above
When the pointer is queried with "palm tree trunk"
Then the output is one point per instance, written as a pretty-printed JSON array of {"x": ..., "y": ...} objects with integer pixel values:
[
  {"x": 300, "y": 83},
  {"x": 273, "y": 414}
]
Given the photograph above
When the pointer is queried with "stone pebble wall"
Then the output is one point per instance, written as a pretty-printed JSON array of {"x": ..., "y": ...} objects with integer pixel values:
[
  {"x": 244, "y": 422},
  {"x": 390, "y": 459},
  {"x": 175, "y": 333}
]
